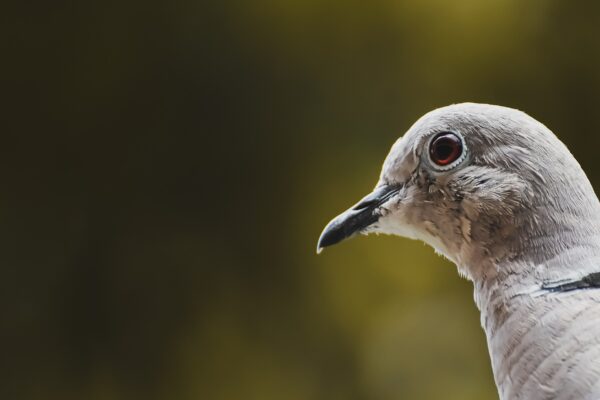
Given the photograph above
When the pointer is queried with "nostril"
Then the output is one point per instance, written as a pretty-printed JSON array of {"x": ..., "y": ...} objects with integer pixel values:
[
  {"x": 365, "y": 204},
  {"x": 378, "y": 197}
]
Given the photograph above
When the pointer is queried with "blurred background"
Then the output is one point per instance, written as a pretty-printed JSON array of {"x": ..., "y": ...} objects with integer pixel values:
[{"x": 167, "y": 167}]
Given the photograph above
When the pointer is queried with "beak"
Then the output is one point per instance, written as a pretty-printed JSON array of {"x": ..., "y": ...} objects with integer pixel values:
[{"x": 356, "y": 219}]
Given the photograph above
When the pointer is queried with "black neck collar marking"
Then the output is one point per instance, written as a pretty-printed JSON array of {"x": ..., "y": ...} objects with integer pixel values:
[{"x": 590, "y": 281}]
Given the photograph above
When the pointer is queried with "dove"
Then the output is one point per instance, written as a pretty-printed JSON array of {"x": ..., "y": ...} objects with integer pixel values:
[{"x": 498, "y": 194}]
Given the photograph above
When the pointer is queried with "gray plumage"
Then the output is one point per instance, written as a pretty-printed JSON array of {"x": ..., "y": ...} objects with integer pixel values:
[{"x": 519, "y": 218}]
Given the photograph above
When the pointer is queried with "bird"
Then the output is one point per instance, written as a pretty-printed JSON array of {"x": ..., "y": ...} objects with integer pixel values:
[{"x": 497, "y": 193}]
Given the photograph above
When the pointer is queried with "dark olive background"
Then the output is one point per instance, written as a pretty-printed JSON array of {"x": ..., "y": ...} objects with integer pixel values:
[{"x": 166, "y": 169}]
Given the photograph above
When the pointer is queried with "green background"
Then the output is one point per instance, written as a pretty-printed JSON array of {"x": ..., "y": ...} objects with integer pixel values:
[{"x": 167, "y": 167}]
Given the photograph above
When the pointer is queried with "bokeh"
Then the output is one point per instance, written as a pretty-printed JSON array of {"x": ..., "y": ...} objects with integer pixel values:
[{"x": 166, "y": 169}]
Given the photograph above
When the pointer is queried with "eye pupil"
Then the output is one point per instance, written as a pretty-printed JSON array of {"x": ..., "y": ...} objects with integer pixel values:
[{"x": 445, "y": 148}]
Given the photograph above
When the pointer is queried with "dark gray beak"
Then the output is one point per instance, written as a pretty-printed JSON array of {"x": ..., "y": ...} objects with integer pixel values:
[{"x": 356, "y": 219}]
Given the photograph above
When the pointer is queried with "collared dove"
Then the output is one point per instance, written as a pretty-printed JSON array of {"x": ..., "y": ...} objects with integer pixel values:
[{"x": 497, "y": 193}]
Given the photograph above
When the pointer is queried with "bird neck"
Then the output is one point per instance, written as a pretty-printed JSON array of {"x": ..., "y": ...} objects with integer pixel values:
[
  {"x": 518, "y": 311},
  {"x": 529, "y": 327},
  {"x": 550, "y": 259}
]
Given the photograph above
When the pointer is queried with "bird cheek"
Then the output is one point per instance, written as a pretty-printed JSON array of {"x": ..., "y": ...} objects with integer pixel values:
[
  {"x": 396, "y": 224},
  {"x": 396, "y": 215}
]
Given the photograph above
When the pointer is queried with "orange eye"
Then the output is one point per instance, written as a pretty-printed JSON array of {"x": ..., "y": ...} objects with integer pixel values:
[{"x": 445, "y": 148}]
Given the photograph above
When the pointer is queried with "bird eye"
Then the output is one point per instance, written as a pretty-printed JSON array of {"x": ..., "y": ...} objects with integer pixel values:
[{"x": 445, "y": 148}]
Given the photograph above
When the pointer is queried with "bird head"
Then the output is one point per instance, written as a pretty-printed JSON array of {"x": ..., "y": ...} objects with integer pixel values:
[{"x": 480, "y": 184}]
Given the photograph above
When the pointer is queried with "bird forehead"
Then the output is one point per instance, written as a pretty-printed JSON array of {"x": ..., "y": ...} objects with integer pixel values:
[{"x": 401, "y": 160}]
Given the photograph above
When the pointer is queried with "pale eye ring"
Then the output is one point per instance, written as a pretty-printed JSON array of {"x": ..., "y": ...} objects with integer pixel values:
[{"x": 446, "y": 150}]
